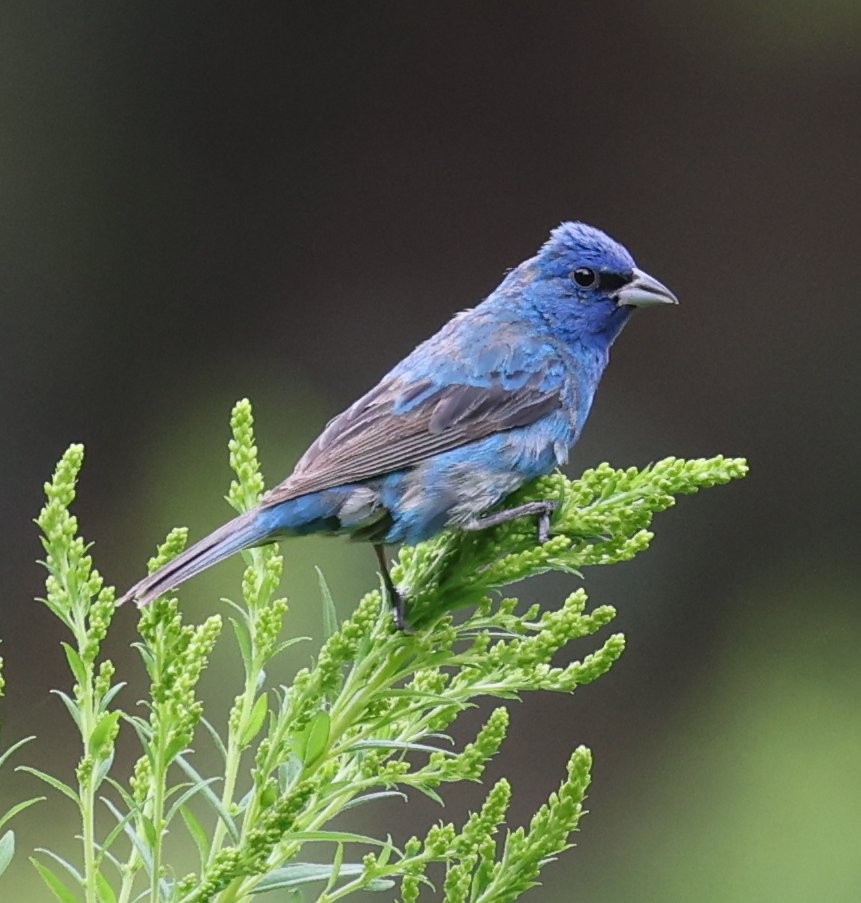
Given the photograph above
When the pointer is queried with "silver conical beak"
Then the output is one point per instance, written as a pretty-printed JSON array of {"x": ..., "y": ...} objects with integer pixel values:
[{"x": 645, "y": 291}]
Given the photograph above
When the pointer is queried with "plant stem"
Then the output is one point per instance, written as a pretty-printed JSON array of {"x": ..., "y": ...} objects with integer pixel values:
[
  {"x": 158, "y": 780},
  {"x": 86, "y": 783},
  {"x": 234, "y": 756},
  {"x": 87, "y": 795}
]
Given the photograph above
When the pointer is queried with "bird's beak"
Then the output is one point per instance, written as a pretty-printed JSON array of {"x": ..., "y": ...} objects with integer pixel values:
[{"x": 644, "y": 291}]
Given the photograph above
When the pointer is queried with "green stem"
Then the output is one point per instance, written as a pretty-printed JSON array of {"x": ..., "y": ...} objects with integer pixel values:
[
  {"x": 87, "y": 796},
  {"x": 158, "y": 781},
  {"x": 128, "y": 872},
  {"x": 234, "y": 752},
  {"x": 86, "y": 788}
]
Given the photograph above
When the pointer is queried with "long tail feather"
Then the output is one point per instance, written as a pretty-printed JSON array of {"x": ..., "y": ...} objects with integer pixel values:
[{"x": 240, "y": 533}]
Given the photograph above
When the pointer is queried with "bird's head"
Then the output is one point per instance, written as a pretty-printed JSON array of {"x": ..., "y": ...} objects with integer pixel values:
[{"x": 585, "y": 284}]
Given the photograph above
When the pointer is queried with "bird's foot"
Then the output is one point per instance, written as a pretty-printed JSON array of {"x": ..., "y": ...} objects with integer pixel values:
[
  {"x": 395, "y": 599},
  {"x": 540, "y": 509}
]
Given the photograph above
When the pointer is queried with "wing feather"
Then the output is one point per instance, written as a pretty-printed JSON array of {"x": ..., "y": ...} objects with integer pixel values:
[{"x": 389, "y": 430}]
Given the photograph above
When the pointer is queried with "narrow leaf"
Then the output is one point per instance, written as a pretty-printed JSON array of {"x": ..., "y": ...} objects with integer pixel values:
[
  {"x": 137, "y": 842},
  {"x": 198, "y": 833},
  {"x": 55, "y": 885},
  {"x": 399, "y": 745},
  {"x": 14, "y": 747},
  {"x": 76, "y": 664},
  {"x": 56, "y": 783},
  {"x": 315, "y": 737},
  {"x": 190, "y": 791},
  {"x": 118, "y": 828},
  {"x": 64, "y": 863},
  {"x": 286, "y": 644},
  {"x": 105, "y": 727},
  {"x": 20, "y": 807},
  {"x": 243, "y": 642},
  {"x": 7, "y": 850},
  {"x": 105, "y": 701},
  {"x": 303, "y": 873},
  {"x": 371, "y": 797},
  {"x": 70, "y": 705},
  {"x": 216, "y": 737},
  {"x": 102, "y": 769},
  {"x": 210, "y": 797},
  {"x": 255, "y": 721},
  {"x": 330, "y": 613},
  {"x": 337, "y": 837},
  {"x": 104, "y": 889}
]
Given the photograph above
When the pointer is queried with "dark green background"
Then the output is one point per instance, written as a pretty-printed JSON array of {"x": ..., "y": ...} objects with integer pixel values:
[{"x": 205, "y": 201}]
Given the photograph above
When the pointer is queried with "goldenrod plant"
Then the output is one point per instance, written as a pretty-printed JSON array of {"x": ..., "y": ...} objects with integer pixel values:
[{"x": 366, "y": 719}]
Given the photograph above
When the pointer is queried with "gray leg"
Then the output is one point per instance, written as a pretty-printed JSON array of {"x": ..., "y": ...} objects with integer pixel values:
[
  {"x": 396, "y": 600},
  {"x": 542, "y": 509}
]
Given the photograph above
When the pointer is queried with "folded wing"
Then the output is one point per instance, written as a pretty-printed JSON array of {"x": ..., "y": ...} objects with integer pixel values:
[{"x": 398, "y": 424}]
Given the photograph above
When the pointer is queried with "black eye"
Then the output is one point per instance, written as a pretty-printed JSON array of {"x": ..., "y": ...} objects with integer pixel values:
[{"x": 584, "y": 277}]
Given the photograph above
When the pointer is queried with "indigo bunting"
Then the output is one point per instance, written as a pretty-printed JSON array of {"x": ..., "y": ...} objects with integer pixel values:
[{"x": 497, "y": 397}]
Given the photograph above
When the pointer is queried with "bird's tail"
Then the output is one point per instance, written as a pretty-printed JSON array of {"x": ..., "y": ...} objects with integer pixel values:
[{"x": 244, "y": 531}]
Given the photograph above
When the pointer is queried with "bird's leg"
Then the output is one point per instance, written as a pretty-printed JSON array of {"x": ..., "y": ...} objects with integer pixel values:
[
  {"x": 396, "y": 600},
  {"x": 542, "y": 509}
]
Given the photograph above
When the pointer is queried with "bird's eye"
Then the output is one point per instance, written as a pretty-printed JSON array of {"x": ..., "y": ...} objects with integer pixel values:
[{"x": 584, "y": 277}]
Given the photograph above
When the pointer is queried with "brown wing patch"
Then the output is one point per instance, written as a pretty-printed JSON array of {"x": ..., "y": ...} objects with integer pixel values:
[{"x": 369, "y": 439}]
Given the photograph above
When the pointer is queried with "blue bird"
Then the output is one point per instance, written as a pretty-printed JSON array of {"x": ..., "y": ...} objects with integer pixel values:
[{"x": 497, "y": 397}]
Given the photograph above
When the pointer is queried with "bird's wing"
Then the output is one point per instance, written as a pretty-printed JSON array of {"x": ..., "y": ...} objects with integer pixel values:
[{"x": 399, "y": 424}]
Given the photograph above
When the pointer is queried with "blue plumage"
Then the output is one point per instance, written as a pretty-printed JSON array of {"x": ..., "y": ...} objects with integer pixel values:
[{"x": 497, "y": 397}]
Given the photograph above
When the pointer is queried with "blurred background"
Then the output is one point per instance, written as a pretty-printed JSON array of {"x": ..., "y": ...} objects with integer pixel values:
[{"x": 204, "y": 202}]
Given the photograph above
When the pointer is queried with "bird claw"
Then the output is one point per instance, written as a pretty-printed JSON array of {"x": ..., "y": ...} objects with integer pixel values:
[
  {"x": 395, "y": 599},
  {"x": 542, "y": 509},
  {"x": 544, "y": 520}
]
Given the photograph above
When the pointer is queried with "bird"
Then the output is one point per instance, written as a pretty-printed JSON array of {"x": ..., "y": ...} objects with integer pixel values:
[{"x": 497, "y": 397}]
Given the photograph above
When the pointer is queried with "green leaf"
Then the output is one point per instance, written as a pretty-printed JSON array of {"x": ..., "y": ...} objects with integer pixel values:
[
  {"x": 137, "y": 842},
  {"x": 175, "y": 747},
  {"x": 429, "y": 792},
  {"x": 103, "y": 766},
  {"x": 371, "y": 797},
  {"x": 303, "y": 873},
  {"x": 216, "y": 737},
  {"x": 20, "y": 807},
  {"x": 106, "y": 700},
  {"x": 210, "y": 797},
  {"x": 102, "y": 733},
  {"x": 76, "y": 664},
  {"x": 104, "y": 889},
  {"x": 338, "y": 837},
  {"x": 330, "y": 613},
  {"x": 55, "y": 885},
  {"x": 198, "y": 833},
  {"x": 255, "y": 721},
  {"x": 150, "y": 832},
  {"x": 122, "y": 821},
  {"x": 126, "y": 797},
  {"x": 386, "y": 854},
  {"x": 190, "y": 791},
  {"x": 13, "y": 748},
  {"x": 398, "y": 745},
  {"x": 243, "y": 641},
  {"x": 62, "y": 862},
  {"x": 315, "y": 737},
  {"x": 337, "y": 862},
  {"x": 7, "y": 850},
  {"x": 71, "y": 706},
  {"x": 56, "y": 783},
  {"x": 286, "y": 644}
]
